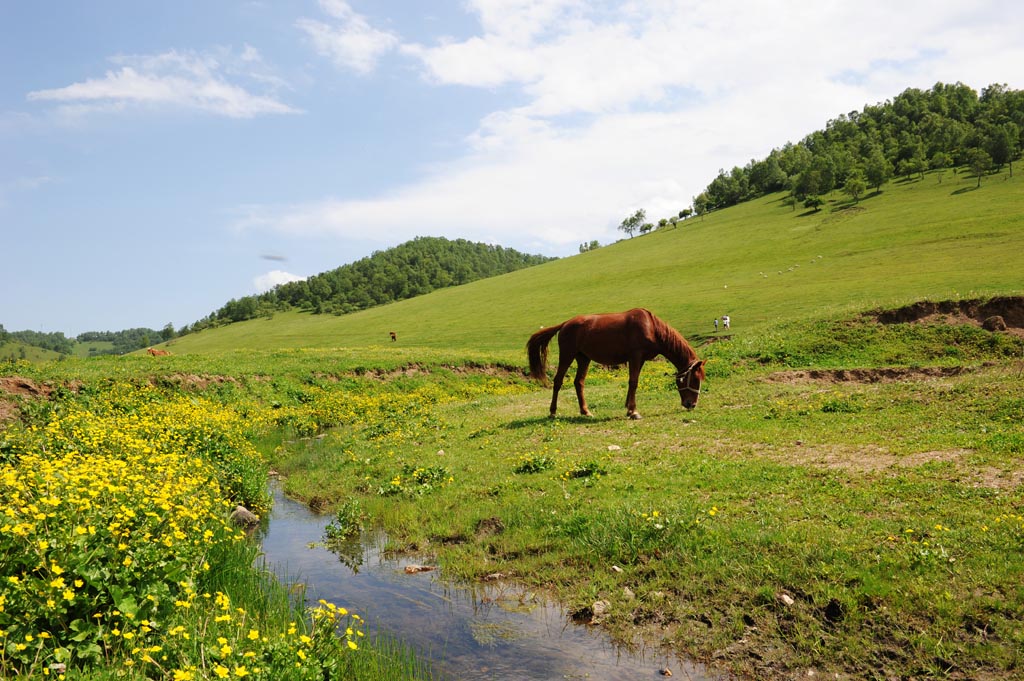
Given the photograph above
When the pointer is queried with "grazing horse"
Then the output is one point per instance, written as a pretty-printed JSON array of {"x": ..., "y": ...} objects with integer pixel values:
[
  {"x": 158, "y": 353},
  {"x": 631, "y": 337},
  {"x": 394, "y": 336}
]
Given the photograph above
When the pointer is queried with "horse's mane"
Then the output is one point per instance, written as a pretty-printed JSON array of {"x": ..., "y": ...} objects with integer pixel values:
[{"x": 673, "y": 343}]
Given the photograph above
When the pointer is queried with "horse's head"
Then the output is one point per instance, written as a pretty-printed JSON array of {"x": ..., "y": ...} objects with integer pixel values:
[{"x": 688, "y": 383}]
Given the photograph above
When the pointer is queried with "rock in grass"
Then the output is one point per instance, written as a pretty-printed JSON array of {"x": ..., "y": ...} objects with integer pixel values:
[
  {"x": 244, "y": 517},
  {"x": 598, "y": 611},
  {"x": 413, "y": 569},
  {"x": 994, "y": 323}
]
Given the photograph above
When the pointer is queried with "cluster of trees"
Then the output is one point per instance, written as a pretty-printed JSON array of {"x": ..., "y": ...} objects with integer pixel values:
[
  {"x": 637, "y": 222},
  {"x": 56, "y": 341},
  {"x": 411, "y": 269},
  {"x": 121, "y": 342},
  {"x": 919, "y": 130},
  {"x": 128, "y": 340}
]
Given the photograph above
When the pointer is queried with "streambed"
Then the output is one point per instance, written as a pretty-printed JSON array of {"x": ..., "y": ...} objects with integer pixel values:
[{"x": 487, "y": 631}]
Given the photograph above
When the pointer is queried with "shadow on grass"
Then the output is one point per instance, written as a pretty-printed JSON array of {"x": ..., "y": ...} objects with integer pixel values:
[
  {"x": 964, "y": 190},
  {"x": 545, "y": 419}
]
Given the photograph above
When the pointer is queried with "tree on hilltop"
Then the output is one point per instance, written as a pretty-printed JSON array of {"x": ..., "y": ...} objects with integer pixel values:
[
  {"x": 877, "y": 170},
  {"x": 979, "y": 161},
  {"x": 855, "y": 186},
  {"x": 633, "y": 222},
  {"x": 940, "y": 161}
]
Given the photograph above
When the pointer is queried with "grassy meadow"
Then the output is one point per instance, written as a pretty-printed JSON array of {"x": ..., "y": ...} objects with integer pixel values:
[
  {"x": 760, "y": 262},
  {"x": 846, "y": 499},
  {"x": 13, "y": 351}
]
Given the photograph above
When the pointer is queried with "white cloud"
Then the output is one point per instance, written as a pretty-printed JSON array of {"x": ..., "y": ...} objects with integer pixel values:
[
  {"x": 20, "y": 185},
  {"x": 351, "y": 44},
  {"x": 638, "y": 104},
  {"x": 175, "y": 79},
  {"x": 273, "y": 278}
]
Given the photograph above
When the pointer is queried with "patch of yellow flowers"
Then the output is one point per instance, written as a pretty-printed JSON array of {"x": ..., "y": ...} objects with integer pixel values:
[{"x": 111, "y": 515}]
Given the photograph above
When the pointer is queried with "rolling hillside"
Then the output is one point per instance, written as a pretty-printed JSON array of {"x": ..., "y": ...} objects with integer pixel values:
[{"x": 939, "y": 237}]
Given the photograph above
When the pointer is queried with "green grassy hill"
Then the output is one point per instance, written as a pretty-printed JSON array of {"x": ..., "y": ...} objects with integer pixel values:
[
  {"x": 13, "y": 350},
  {"x": 759, "y": 262},
  {"x": 92, "y": 348}
]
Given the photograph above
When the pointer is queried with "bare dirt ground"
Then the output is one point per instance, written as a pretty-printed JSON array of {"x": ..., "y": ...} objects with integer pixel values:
[
  {"x": 879, "y": 375},
  {"x": 191, "y": 381},
  {"x": 1004, "y": 314},
  {"x": 16, "y": 388}
]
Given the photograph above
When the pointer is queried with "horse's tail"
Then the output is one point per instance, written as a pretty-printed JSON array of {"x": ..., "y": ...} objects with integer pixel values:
[{"x": 537, "y": 351}]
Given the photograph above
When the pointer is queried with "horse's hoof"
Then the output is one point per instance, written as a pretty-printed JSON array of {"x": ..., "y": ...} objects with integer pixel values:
[
  {"x": 588, "y": 414},
  {"x": 551, "y": 415},
  {"x": 635, "y": 416}
]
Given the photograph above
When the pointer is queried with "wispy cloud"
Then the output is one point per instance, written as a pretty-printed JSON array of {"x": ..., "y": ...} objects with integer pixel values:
[
  {"x": 172, "y": 80},
  {"x": 350, "y": 42},
  {"x": 20, "y": 185}
]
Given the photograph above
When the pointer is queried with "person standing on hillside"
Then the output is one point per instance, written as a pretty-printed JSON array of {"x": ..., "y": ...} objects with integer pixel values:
[
  {"x": 725, "y": 321},
  {"x": 716, "y": 324}
]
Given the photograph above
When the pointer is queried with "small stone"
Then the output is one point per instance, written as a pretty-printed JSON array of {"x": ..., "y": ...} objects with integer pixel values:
[
  {"x": 599, "y": 608},
  {"x": 614, "y": 448},
  {"x": 994, "y": 323},
  {"x": 413, "y": 569},
  {"x": 243, "y": 516}
]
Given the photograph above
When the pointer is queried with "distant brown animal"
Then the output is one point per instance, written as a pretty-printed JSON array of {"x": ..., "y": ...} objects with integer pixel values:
[
  {"x": 631, "y": 337},
  {"x": 394, "y": 336},
  {"x": 158, "y": 353}
]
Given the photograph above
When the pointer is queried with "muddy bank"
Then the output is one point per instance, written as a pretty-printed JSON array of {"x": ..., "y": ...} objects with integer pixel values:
[
  {"x": 1002, "y": 313},
  {"x": 877, "y": 375}
]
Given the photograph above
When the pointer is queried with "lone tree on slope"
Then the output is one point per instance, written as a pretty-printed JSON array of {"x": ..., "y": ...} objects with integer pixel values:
[{"x": 633, "y": 222}]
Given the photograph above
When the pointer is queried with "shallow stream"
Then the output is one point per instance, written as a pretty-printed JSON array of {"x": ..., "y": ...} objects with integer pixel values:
[{"x": 466, "y": 632}]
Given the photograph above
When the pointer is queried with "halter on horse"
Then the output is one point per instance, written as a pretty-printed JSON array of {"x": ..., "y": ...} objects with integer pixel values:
[{"x": 631, "y": 337}]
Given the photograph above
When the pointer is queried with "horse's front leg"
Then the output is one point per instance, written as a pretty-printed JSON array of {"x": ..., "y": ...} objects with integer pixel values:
[
  {"x": 582, "y": 365},
  {"x": 634, "y": 380}
]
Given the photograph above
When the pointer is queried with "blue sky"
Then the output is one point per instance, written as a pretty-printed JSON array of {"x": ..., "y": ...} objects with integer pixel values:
[{"x": 153, "y": 154}]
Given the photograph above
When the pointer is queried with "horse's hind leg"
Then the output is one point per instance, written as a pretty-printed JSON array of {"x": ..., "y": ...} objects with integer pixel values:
[
  {"x": 582, "y": 365},
  {"x": 563, "y": 366}
]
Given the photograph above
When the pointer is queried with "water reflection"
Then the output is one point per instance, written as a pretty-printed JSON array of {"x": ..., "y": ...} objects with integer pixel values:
[{"x": 467, "y": 632}]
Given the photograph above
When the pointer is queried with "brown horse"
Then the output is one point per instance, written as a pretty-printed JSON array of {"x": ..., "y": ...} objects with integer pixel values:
[
  {"x": 631, "y": 337},
  {"x": 158, "y": 353}
]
